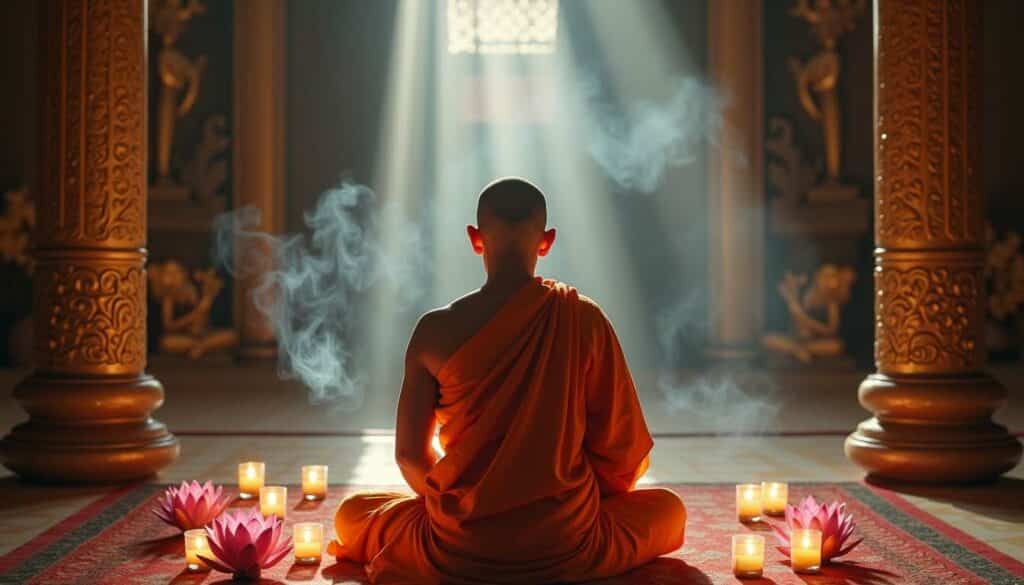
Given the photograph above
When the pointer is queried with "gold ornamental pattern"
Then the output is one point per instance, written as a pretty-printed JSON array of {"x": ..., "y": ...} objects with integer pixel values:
[
  {"x": 927, "y": 317},
  {"x": 96, "y": 133},
  {"x": 928, "y": 177},
  {"x": 91, "y": 316}
]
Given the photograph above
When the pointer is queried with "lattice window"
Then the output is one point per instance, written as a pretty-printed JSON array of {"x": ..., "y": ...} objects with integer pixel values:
[{"x": 502, "y": 26}]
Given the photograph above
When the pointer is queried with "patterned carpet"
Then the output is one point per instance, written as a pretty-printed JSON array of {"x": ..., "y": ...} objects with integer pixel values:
[{"x": 117, "y": 540}]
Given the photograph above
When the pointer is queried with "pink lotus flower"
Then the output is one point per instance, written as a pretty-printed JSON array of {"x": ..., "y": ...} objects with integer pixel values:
[
  {"x": 835, "y": 524},
  {"x": 244, "y": 543},
  {"x": 192, "y": 505}
]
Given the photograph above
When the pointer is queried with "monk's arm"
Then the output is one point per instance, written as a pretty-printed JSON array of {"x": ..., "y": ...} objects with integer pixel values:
[
  {"x": 617, "y": 440},
  {"x": 414, "y": 427}
]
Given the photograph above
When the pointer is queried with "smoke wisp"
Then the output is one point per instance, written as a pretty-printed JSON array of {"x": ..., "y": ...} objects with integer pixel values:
[
  {"x": 311, "y": 288},
  {"x": 634, "y": 145},
  {"x": 736, "y": 401}
]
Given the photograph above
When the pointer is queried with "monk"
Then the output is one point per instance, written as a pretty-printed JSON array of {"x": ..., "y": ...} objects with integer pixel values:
[{"x": 541, "y": 428}]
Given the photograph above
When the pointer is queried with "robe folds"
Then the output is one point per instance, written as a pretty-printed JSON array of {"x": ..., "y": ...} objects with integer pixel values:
[{"x": 543, "y": 440}]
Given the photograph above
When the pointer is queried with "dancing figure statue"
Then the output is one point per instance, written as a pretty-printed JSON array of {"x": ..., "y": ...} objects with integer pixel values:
[
  {"x": 185, "y": 310},
  {"x": 817, "y": 81},
  {"x": 179, "y": 76},
  {"x": 814, "y": 315}
]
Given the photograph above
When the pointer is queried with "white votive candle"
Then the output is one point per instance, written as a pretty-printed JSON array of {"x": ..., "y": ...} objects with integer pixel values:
[
  {"x": 748, "y": 502},
  {"x": 805, "y": 550},
  {"x": 250, "y": 479},
  {"x": 195, "y": 545},
  {"x": 273, "y": 500},
  {"x": 747, "y": 555},
  {"x": 308, "y": 538},
  {"x": 314, "y": 482},
  {"x": 774, "y": 497}
]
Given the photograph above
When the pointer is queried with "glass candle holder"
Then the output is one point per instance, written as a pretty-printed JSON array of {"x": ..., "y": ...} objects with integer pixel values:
[
  {"x": 273, "y": 501},
  {"x": 747, "y": 555},
  {"x": 195, "y": 545},
  {"x": 308, "y": 539},
  {"x": 748, "y": 502},
  {"x": 805, "y": 550},
  {"x": 314, "y": 482},
  {"x": 250, "y": 479},
  {"x": 774, "y": 497}
]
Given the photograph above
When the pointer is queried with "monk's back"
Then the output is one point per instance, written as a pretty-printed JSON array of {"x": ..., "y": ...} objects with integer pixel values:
[{"x": 513, "y": 415}]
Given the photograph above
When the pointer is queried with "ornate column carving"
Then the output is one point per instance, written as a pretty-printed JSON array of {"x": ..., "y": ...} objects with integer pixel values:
[
  {"x": 259, "y": 143},
  {"x": 89, "y": 399},
  {"x": 736, "y": 197},
  {"x": 932, "y": 402}
]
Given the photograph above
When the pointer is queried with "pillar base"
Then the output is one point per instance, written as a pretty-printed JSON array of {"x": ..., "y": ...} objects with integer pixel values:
[
  {"x": 88, "y": 430},
  {"x": 932, "y": 429},
  {"x": 731, "y": 353},
  {"x": 257, "y": 352}
]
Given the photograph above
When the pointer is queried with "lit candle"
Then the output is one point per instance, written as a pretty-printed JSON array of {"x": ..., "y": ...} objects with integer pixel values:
[
  {"x": 308, "y": 538},
  {"x": 774, "y": 497},
  {"x": 250, "y": 479},
  {"x": 195, "y": 545},
  {"x": 747, "y": 555},
  {"x": 805, "y": 550},
  {"x": 748, "y": 502},
  {"x": 273, "y": 500},
  {"x": 314, "y": 482}
]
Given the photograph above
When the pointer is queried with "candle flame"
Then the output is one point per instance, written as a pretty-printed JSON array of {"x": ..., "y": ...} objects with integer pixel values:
[
  {"x": 272, "y": 498},
  {"x": 807, "y": 541},
  {"x": 748, "y": 495},
  {"x": 307, "y": 535},
  {"x": 312, "y": 475},
  {"x": 200, "y": 542},
  {"x": 750, "y": 548},
  {"x": 250, "y": 471},
  {"x": 774, "y": 490}
]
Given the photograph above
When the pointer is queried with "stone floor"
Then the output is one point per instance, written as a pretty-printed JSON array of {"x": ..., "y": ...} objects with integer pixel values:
[{"x": 224, "y": 414}]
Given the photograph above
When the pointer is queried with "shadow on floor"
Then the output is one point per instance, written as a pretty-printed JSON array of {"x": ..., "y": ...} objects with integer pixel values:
[
  {"x": 1000, "y": 500},
  {"x": 852, "y": 574}
]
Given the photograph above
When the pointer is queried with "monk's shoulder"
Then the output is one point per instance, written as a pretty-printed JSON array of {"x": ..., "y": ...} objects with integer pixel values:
[
  {"x": 593, "y": 319},
  {"x": 433, "y": 323}
]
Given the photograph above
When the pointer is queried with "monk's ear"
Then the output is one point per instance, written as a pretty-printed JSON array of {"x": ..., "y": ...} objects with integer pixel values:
[
  {"x": 476, "y": 239},
  {"x": 546, "y": 241}
]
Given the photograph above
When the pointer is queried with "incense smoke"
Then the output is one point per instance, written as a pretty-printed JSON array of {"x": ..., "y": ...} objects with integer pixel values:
[
  {"x": 636, "y": 144},
  {"x": 735, "y": 401},
  {"x": 311, "y": 288}
]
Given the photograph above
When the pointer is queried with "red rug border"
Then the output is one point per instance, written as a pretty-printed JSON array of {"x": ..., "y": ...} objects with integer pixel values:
[
  {"x": 20, "y": 554},
  {"x": 951, "y": 532}
]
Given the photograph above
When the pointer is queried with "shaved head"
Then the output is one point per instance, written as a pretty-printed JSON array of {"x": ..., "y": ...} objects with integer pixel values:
[{"x": 511, "y": 200}]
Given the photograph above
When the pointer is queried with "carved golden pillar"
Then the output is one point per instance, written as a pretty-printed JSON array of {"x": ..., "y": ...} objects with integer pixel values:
[
  {"x": 89, "y": 399},
  {"x": 259, "y": 147},
  {"x": 736, "y": 197},
  {"x": 932, "y": 402}
]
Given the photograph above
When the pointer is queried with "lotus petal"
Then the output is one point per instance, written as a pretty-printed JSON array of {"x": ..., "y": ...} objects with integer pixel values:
[
  {"x": 191, "y": 505},
  {"x": 832, "y": 519},
  {"x": 245, "y": 543}
]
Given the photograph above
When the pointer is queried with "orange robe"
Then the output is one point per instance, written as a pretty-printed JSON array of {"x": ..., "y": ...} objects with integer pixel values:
[{"x": 544, "y": 441}]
